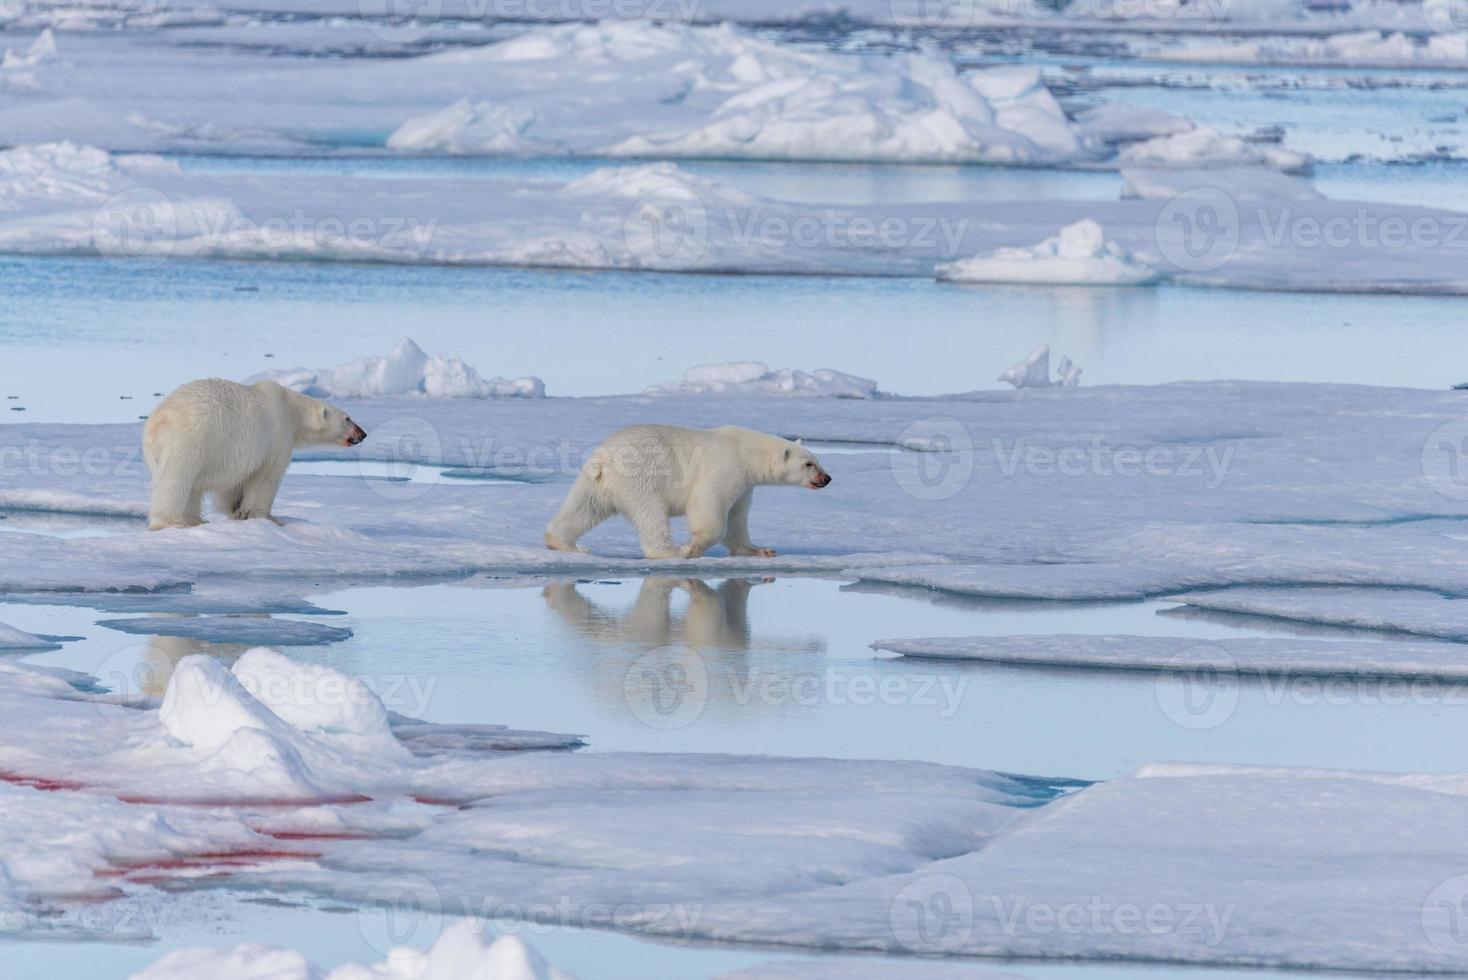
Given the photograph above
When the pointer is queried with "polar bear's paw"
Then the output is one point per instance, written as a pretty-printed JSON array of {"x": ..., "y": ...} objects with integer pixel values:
[
  {"x": 556, "y": 544},
  {"x": 751, "y": 551}
]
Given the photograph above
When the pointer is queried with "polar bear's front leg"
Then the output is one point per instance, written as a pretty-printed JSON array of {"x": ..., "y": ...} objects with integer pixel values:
[
  {"x": 258, "y": 496},
  {"x": 707, "y": 519},
  {"x": 736, "y": 538}
]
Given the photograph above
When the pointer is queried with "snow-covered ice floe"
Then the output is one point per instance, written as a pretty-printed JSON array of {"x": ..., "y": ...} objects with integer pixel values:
[
  {"x": 406, "y": 370},
  {"x": 755, "y": 377},
  {"x": 1275, "y": 656},
  {"x": 1218, "y": 228},
  {"x": 1080, "y": 255},
  {"x": 461, "y": 952},
  {"x": 1360, "y": 48},
  {"x": 1060, "y": 493},
  {"x": 608, "y": 88}
]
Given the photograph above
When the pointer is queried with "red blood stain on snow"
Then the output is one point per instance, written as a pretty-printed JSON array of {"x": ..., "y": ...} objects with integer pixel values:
[{"x": 38, "y": 782}]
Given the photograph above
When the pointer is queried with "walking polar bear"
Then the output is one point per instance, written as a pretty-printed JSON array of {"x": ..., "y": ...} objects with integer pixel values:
[
  {"x": 650, "y": 473},
  {"x": 234, "y": 441}
]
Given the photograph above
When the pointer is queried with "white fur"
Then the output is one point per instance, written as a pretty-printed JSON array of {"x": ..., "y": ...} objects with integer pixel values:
[
  {"x": 234, "y": 441},
  {"x": 651, "y": 473}
]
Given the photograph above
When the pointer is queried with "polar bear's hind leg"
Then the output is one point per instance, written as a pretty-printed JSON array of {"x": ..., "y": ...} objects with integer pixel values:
[
  {"x": 175, "y": 502},
  {"x": 585, "y": 507}
]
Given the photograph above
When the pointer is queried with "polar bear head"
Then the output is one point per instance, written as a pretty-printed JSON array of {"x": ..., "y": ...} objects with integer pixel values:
[
  {"x": 323, "y": 424},
  {"x": 798, "y": 467}
]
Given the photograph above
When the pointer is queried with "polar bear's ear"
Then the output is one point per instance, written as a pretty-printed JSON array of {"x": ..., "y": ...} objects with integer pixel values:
[
  {"x": 787, "y": 453},
  {"x": 799, "y": 443}
]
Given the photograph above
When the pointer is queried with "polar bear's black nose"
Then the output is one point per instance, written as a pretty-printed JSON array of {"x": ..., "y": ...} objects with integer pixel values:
[{"x": 356, "y": 436}]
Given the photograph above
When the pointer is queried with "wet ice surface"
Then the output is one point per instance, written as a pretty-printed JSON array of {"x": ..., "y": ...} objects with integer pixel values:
[{"x": 790, "y": 672}]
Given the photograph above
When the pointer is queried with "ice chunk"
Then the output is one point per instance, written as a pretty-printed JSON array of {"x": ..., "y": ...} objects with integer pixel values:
[
  {"x": 1034, "y": 371},
  {"x": 407, "y": 370},
  {"x": 1080, "y": 255},
  {"x": 43, "y": 48},
  {"x": 1207, "y": 147},
  {"x": 756, "y": 378}
]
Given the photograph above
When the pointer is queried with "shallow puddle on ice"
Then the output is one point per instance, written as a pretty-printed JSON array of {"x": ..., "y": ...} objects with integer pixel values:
[{"x": 784, "y": 667}]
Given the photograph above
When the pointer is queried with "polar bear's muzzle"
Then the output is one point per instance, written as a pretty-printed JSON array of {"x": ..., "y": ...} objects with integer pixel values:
[
  {"x": 355, "y": 436},
  {"x": 820, "y": 481}
]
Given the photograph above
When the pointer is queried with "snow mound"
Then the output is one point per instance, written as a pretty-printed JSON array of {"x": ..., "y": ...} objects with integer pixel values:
[
  {"x": 271, "y": 729},
  {"x": 1080, "y": 255},
  {"x": 460, "y": 952},
  {"x": 722, "y": 92},
  {"x": 756, "y": 378},
  {"x": 1207, "y": 147},
  {"x": 1034, "y": 371},
  {"x": 16, "y": 639},
  {"x": 466, "y": 128},
  {"x": 407, "y": 370},
  {"x": 1118, "y": 122}
]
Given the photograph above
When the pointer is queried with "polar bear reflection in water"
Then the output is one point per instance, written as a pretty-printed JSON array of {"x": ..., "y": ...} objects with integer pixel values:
[{"x": 682, "y": 632}]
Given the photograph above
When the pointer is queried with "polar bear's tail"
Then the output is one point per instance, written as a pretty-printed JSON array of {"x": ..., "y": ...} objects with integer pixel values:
[{"x": 584, "y": 508}]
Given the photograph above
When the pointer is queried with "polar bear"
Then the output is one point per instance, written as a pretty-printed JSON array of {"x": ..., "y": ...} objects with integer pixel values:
[
  {"x": 234, "y": 441},
  {"x": 650, "y": 473}
]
